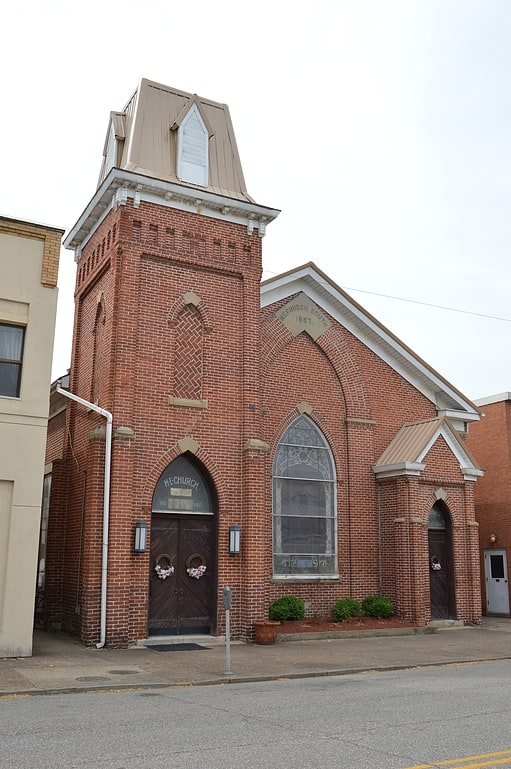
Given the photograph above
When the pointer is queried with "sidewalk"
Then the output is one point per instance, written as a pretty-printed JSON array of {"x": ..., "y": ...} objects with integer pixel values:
[{"x": 61, "y": 664}]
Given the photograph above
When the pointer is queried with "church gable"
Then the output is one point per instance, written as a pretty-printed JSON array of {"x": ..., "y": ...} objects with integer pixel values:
[{"x": 324, "y": 298}]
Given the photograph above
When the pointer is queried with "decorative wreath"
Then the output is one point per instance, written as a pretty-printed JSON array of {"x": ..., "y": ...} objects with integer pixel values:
[
  {"x": 163, "y": 571},
  {"x": 435, "y": 563},
  {"x": 196, "y": 571}
]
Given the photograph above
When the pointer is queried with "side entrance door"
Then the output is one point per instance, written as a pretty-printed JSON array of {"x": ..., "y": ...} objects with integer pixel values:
[
  {"x": 441, "y": 582},
  {"x": 181, "y": 603},
  {"x": 497, "y": 588},
  {"x": 439, "y": 574}
]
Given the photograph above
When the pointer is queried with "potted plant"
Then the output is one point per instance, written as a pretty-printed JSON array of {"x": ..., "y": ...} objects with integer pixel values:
[
  {"x": 287, "y": 607},
  {"x": 266, "y": 631}
]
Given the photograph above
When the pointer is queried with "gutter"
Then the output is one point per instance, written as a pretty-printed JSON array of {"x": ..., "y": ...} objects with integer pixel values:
[{"x": 106, "y": 502}]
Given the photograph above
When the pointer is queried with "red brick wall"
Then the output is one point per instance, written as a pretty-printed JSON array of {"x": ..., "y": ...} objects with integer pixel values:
[
  {"x": 490, "y": 442},
  {"x": 253, "y": 374},
  {"x": 141, "y": 276},
  {"x": 55, "y": 437}
]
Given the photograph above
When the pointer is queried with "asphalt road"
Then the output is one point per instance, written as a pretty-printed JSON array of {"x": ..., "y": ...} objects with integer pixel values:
[{"x": 459, "y": 714}]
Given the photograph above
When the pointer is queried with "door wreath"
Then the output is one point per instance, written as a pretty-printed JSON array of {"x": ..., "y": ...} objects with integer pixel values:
[
  {"x": 163, "y": 571},
  {"x": 194, "y": 569},
  {"x": 435, "y": 563}
]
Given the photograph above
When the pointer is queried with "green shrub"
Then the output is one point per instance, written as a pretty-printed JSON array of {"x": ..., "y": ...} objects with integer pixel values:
[
  {"x": 287, "y": 607},
  {"x": 344, "y": 609},
  {"x": 377, "y": 606}
]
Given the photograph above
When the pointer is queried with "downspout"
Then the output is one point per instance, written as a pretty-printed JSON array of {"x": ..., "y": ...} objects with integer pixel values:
[{"x": 106, "y": 502}]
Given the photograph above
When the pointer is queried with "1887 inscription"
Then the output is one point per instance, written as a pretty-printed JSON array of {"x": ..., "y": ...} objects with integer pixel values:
[{"x": 302, "y": 314}]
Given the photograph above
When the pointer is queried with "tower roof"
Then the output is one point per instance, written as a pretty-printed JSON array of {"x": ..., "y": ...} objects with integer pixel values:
[
  {"x": 175, "y": 149},
  {"x": 145, "y": 138}
]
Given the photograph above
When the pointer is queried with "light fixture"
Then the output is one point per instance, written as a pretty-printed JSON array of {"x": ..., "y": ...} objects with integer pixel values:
[
  {"x": 234, "y": 539},
  {"x": 140, "y": 536},
  {"x": 493, "y": 538}
]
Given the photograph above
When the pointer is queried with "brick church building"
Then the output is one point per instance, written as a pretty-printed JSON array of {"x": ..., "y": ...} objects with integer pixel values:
[{"x": 215, "y": 430}]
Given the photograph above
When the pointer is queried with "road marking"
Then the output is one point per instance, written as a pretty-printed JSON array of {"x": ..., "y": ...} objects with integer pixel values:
[{"x": 491, "y": 759}]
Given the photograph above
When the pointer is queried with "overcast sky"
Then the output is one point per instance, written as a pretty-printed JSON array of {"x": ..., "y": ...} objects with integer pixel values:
[{"x": 380, "y": 128}]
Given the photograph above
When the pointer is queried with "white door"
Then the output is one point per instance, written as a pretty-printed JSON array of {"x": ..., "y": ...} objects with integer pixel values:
[{"x": 497, "y": 589}]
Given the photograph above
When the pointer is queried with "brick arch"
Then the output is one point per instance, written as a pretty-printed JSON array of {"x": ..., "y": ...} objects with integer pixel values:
[
  {"x": 188, "y": 354},
  {"x": 290, "y": 417},
  {"x": 98, "y": 351},
  {"x": 330, "y": 396},
  {"x": 189, "y": 324},
  {"x": 207, "y": 464},
  {"x": 189, "y": 299},
  {"x": 335, "y": 347},
  {"x": 450, "y": 505}
]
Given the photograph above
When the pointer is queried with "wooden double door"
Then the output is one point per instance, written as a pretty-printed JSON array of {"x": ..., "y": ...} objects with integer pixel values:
[{"x": 182, "y": 602}]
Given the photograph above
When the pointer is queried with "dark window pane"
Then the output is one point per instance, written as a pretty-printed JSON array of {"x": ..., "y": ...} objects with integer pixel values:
[
  {"x": 10, "y": 379},
  {"x": 497, "y": 566},
  {"x": 302, "y": 497},
  {"x": 11, "y": 353},
  {"x": 436, "y": 518},
  {"x": 303, "y": 535}
]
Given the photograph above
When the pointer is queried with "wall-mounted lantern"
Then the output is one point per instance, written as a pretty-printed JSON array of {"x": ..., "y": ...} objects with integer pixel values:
[
  {"x": 234, "y": 539},
  {"x": 140, "y": 537},
  {"x": 493, "y": 538}
]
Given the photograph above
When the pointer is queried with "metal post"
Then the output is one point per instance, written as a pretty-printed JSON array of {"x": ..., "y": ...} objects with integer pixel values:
[{"x": 227, "y": 606}]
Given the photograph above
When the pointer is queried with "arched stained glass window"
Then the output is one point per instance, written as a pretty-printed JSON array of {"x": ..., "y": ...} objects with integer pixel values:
[{"x": 304, "y": 508}]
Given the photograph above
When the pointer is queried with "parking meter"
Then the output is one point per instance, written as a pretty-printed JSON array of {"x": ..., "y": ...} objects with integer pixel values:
[
  {"x": 227, "y": 598},
  {"x": 227, "y": 593}
]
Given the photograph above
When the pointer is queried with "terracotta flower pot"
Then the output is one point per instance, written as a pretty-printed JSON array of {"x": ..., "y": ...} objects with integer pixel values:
[{"x": 266, "y": 631}]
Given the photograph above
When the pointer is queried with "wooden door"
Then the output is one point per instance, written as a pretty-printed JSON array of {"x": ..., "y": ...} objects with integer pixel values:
[
  {"x": 439, "y": 574},
  {"x": 181, "y": 603}
]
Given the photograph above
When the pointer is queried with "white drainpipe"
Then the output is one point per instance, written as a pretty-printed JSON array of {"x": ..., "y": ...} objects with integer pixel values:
[{"x": 106, "y": 502}]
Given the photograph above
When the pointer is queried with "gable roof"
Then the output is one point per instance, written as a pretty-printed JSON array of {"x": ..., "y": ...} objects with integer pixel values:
[
  {"x": 406, "y": 452},
  {"x": 310, "y": 280}
]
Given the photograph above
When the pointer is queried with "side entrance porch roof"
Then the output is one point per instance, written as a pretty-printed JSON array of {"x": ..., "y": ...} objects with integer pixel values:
[{"x": 407, "y": 451}]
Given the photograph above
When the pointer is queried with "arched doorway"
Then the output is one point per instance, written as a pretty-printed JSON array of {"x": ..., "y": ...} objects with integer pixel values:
[
  {"x": 182, "y": 581},
  {"x": 442, "y": 601}
]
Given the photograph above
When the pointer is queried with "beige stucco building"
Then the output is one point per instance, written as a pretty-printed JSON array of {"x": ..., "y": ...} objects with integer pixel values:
[{"x": 29, "y": 261}]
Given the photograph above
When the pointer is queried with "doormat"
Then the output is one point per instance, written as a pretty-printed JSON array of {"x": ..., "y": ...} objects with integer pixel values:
[{"x": 184, "y": 647}]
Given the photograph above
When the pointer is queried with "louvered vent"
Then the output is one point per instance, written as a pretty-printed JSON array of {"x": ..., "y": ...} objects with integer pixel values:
[{"x": 193, "y": 149}]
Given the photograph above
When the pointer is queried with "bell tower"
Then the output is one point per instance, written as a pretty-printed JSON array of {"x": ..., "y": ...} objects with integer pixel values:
[{"x": 166, "y": 338}]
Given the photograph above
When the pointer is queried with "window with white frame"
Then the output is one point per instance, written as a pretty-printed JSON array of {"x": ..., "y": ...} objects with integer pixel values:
[
  {"x": 11, "y": 355},
  {"x": 193, "y": 140},
  {"x": 304, "y": 504}
]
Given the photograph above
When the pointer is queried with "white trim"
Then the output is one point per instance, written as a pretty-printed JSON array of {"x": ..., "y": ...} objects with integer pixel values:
[
  {"x": 120, "y": 185},
  {"x": 400, "y": 468},
  {"x": 500, "y": 398},
  {"x": 372, "y": 334},
  {"x": 466, "y": 466},
  {"x": 470, "y": 473}
]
